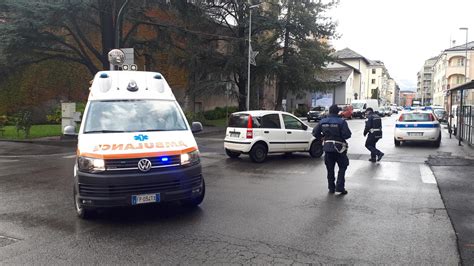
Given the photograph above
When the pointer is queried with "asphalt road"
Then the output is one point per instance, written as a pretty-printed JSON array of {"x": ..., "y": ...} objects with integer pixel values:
[{"x": 275, "y": 212}]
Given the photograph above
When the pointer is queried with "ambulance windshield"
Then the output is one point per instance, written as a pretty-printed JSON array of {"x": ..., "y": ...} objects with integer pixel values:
[{"x": 133, "y": 116}]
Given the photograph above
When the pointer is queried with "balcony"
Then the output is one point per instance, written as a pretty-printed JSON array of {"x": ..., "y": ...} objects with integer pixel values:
[{"x": 453, "y": 70}]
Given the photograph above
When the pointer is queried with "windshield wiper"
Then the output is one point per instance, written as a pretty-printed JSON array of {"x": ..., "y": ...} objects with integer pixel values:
[{"x": 104, "y": 131}]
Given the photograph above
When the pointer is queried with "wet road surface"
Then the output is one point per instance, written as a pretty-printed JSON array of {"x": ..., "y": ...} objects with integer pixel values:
[{"x": 275, "y": 212}]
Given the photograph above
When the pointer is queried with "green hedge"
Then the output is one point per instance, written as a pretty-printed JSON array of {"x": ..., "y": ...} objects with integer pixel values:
[{"x": 219, "y": 113}]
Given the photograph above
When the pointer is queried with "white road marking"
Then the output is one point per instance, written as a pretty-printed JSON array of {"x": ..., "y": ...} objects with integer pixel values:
[
  {"x": 427, "y": 175},
  {"x": 7, "y": 161},
  {"x": 70, "y": 156}
]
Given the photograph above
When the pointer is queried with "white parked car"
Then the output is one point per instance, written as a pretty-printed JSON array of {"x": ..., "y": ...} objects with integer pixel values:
[
  {"x": 417, "y": 126},
  {"x": 258, "y": 133}
]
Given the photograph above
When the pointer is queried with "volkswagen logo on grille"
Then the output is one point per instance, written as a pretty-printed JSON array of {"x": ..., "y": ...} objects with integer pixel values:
[{"x": 144, "y": 165}]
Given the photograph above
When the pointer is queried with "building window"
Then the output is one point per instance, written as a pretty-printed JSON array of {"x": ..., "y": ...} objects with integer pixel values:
[
  {"x": 373, "y": 70},
  {"x": 373, "y": 81}
]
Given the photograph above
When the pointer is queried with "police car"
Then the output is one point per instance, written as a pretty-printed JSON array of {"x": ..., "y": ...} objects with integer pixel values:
[
  {"x": 417, "y": 126},
  {"x": 258, "y": 133},
  {"x": 135, "y": 145}
]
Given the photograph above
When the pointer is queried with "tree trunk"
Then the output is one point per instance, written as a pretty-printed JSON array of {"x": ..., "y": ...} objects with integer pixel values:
[{"x": 282, "y": 86}]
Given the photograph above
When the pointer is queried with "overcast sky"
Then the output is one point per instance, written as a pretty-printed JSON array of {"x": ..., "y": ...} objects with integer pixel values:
[{"x": 402, "y": 33}]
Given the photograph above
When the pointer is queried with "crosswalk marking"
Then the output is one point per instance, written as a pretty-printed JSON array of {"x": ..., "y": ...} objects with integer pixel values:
[{"x": 427, "y": 176}]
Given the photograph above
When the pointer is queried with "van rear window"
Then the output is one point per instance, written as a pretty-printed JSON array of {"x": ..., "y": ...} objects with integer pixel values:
[
  {"x": 238, "y": 120},
  {"x": 241, "y": 121}
]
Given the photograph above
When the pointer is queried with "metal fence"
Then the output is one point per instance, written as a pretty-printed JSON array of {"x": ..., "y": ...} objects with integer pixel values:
[{"x": 467, "y": 127}]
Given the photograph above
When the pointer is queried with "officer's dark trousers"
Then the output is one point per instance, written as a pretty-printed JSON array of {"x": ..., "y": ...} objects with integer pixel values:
[
  {"x": 370, "y": 145},
  {"x": 330, "y": 159}
]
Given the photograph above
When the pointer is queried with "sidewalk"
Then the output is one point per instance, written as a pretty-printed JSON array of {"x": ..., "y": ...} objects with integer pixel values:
[
  {"x": 455, "y": 178},
  {"x": 210, "y": 130}
]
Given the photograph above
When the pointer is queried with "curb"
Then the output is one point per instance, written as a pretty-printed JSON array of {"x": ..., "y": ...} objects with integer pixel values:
[
  {"x": 209, "y": 133},
  {"x": 51, "y": 142}
]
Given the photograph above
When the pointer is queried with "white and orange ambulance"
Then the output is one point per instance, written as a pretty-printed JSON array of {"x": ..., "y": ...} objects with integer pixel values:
[{"x": 135, "y": 145}]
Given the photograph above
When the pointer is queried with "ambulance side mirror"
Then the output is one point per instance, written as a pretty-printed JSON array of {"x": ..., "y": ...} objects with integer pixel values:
[
  {"x": 196, "y": 127},
  {"x": 70, "y": 132}
]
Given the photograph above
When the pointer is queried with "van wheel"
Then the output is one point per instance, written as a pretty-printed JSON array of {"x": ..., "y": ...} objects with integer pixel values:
[
  {"x": 232, "y": 154},
  {"x": 258, "y": 153},
  {"x": 81, "y": 211},
  {"x": 397, "y": 142},
  {"x": 437, "y": 143},
  {"x": 194, "y": 202},
  {"x": 316, "y": 149}
]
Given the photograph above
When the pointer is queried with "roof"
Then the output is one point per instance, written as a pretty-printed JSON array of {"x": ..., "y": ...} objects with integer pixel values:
[
  {"x": 376, "y": 63},
  {"x": 347, "y": 53},
  {"x": 470, "y": 46},
  {"x": 465, "y": 86},
  {"x": 114, "y": 85},
  {"x": 334, "y": 75},
  {"x": 349, "y": 66},
  {"x": 261, "y": 112}
]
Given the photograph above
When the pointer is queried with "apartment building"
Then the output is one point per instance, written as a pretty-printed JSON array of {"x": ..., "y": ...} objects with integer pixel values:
[
  {"x": 375, "y": 80},
  {"x": 425, "y": 82},
  {"x": 451, "y": 69}
]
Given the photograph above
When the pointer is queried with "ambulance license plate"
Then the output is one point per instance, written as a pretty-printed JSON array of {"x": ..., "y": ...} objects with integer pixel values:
[
  {"x": 415, "y": 134},
  {"x": 145, "y": 198}
]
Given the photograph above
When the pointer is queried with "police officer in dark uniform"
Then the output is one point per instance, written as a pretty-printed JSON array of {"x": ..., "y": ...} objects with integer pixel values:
[
  {"x": 334, "y": 131},
  {"x": 373, "y": 127}
]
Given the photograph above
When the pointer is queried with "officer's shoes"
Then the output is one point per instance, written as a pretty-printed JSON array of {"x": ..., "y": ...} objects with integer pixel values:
[
  {"x": 372, "y": 160},
  {"x": 344, "y": 192},
  {"x": 379, "y": 157},
  {"x": 332, "y": 191}
]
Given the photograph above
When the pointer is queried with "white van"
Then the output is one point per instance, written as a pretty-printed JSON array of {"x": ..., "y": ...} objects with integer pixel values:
[
  {"x": 135, "y": 145},
  {"x": 359, "y": 106}
]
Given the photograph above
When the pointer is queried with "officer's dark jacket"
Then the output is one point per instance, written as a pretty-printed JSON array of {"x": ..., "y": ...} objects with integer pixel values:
[
  {"x": 332, "y": 128},
  {"x": 373, "y": 122}
]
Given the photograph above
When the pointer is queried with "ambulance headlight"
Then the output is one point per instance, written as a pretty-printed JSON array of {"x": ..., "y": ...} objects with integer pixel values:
[
  {"x": 90, "y": 165},
  {"x": 190, "y": 158}
]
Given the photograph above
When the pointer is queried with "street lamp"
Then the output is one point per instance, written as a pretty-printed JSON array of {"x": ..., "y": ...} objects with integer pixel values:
[
  {"x": 465, "y": 81},
  {"x": 117, "y": 25},
  {"x": 249, "y": 55},
  {"x": 465, "y": 63}
]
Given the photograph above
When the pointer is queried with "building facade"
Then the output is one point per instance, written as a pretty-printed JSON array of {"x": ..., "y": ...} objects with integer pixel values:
[
  {"x": 451, "y": 69},
  {"x": 375, "y": 81},
  {"x": 425, "y": 82}
]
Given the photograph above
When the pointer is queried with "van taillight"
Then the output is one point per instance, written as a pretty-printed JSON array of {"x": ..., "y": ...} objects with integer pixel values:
[{"x": 249, "y": 128}]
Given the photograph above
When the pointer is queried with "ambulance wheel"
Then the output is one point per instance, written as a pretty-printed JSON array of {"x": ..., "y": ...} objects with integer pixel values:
[
  {"x": 232, "y": 154},
  {"x": 81, "y": 211},
  {"x": 195, "y": 201},
  {"x": 397, "y": 142},
  {"x": 316, "y": 149},
  {"x": 258, "y": 153}
]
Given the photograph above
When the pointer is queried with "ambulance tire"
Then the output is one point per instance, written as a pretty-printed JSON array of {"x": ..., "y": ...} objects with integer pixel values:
[
  {"x": 316, "y": 149},
  {"x": 258, "y": 153},
  {"x": 232, "y": 154},
  {"x": 83, "y": 213},
  {"x": 194, "y": 202}
]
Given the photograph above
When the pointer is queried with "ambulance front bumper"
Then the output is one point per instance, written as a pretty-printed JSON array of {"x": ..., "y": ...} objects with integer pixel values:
[{"x": 118, "y": 189}]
